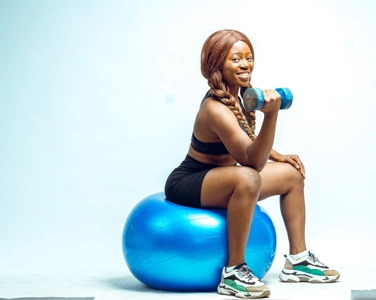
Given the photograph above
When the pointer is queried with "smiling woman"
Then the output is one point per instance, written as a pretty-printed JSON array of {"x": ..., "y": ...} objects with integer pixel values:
[
  {"x": 238, "y": 66},
  {"x": 227, "y": 166}
]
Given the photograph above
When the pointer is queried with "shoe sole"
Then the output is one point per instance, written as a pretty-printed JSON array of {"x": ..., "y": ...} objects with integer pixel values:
[
  {"x": 295, "y": 276},
  {"x": 224, "y": 289}
]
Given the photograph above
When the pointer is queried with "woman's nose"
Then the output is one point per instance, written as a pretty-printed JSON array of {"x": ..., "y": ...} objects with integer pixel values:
[{"x": 244, "y": 63}]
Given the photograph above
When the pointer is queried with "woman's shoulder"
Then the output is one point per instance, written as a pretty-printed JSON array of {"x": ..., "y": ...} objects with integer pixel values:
[
  {"x": 214, "y": 111},
  {"x": 214, "y": 106}
]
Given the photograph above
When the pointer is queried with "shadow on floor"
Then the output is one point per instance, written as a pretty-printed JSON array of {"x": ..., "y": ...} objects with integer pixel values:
[
  {"x": 49, "y": 298},
  {"x": 128, "y": 283}
]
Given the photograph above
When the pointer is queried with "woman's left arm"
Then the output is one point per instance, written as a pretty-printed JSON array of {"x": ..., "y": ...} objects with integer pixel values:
[{"x": 292, "y": 159}]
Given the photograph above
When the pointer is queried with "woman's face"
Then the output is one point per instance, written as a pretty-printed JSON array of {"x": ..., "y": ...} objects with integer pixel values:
[{"x": 237, "y": 67}]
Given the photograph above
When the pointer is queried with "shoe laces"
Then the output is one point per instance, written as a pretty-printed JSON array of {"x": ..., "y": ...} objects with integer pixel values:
[
  {"x": 315, "y": 259},
  {"x": 247, "y": 273}
]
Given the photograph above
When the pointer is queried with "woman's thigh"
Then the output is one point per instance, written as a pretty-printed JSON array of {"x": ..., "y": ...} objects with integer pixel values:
[
  {"x": 279, "y": 179},
  {"x": 220, "y": 183}
]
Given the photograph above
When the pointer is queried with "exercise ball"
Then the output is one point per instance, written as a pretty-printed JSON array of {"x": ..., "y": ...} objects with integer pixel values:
[{"x": 177, "y": 248}]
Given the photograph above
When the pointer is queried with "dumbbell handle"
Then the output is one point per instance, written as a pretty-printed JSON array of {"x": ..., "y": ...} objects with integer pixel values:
[{"x": 254, "y": 98}]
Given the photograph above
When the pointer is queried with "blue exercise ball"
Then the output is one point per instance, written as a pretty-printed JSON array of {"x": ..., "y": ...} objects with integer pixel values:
[{"x": 177, "y": 248}]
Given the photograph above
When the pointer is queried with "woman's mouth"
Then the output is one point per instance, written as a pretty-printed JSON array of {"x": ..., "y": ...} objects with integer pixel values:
[{"x": 243, "y": 75}]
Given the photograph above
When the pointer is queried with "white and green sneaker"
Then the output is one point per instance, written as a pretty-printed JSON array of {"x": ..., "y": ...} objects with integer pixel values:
[
  {"x": 242, "y": 283},
  {"x": 307, "y": 269}
]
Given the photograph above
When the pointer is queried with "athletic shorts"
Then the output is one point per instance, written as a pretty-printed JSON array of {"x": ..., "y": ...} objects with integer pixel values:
[{"x": 183, "y": 185}]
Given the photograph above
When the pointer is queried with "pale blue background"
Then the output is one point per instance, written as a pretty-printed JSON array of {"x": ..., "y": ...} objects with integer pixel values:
[{"x": 98, "y": 98}]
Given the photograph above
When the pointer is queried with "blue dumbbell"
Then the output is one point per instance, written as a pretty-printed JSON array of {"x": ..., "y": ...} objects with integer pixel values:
[{"x": 254, "y": 98}]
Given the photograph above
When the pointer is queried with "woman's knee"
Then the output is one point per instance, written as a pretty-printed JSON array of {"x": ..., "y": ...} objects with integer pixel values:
[
  {"x": 293, "y": 176},
  {"x": 248, "y": 179}
]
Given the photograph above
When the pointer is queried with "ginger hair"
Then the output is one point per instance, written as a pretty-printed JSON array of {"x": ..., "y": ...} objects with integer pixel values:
[{"x": 213, "y": 54}]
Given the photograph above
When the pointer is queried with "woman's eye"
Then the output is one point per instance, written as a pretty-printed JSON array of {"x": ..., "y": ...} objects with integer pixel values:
[
  {"x": 235, "y": 59},
  {"x": 250, "y": 58}
]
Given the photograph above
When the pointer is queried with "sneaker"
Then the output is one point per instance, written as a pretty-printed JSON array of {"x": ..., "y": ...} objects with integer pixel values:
[
  {"x": 242, "y": 283},
  {"x": 307, "y": 269}
]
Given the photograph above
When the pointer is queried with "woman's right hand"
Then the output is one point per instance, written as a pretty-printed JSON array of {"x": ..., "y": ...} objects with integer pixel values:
[{"x": 272, "y": 102}]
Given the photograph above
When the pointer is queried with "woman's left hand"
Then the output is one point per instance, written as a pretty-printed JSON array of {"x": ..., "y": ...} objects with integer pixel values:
[{"x": 293, "y": 160}]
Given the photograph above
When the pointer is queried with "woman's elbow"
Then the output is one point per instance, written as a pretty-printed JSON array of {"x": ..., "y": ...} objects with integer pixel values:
[
  {"x": 259, "y": 167},
  {"x": 256, "y": 166}
]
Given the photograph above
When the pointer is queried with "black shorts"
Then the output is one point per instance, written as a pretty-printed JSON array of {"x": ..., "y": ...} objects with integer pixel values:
[{"x": 183, "y": 185}]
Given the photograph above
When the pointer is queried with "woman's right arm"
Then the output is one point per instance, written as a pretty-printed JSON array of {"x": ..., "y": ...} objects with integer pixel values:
[{"x": 253, "y": 154}]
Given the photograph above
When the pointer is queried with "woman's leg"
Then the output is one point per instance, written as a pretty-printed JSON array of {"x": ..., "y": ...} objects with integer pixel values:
[
  {"x": 283, "y": 179},
  {"x": 236, "y": 188}
]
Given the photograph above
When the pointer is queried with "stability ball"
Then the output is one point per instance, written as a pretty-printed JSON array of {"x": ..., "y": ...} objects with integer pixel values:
[{"x": 177, "y": 248}]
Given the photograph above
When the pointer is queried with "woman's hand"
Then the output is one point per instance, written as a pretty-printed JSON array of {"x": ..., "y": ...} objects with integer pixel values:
[
  {"x": 272, "y": 102},
  {"x": 293, "y": 160}
]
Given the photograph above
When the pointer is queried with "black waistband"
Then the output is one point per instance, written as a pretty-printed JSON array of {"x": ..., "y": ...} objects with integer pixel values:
[{"x": 216, "y": 148}]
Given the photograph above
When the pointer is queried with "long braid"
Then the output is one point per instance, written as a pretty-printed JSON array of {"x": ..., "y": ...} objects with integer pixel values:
[
  {"x": 213, "y": 55},
  {"x": 221, "y": 91}
]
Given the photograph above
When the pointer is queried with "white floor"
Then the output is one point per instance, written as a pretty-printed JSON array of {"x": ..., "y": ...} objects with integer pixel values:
[{"x": 120, "y": 284}]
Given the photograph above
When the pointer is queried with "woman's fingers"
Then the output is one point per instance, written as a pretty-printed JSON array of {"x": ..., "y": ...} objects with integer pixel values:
[
  {"x": 297, "y": 163},
  {"x": 272, "y": 100}
]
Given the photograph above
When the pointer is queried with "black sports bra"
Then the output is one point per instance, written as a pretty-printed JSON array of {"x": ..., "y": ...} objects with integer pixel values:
[{"x": 216, "y": 148}]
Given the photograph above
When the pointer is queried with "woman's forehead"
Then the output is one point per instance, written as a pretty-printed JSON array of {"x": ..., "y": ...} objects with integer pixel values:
[{"x": 239, "y": 47}]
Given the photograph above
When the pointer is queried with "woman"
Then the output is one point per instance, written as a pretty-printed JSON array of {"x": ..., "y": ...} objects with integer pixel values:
[{"x": 227, "y": 167}]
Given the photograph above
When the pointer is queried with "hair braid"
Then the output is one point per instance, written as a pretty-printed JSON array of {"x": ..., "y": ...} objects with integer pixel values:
[
  {"x": 213, "y": 55},
  {"x": 221, "y": 91}
]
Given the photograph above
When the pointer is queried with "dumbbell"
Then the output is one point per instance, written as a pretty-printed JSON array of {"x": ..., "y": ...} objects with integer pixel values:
[{"x": 254, "y": 98}]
